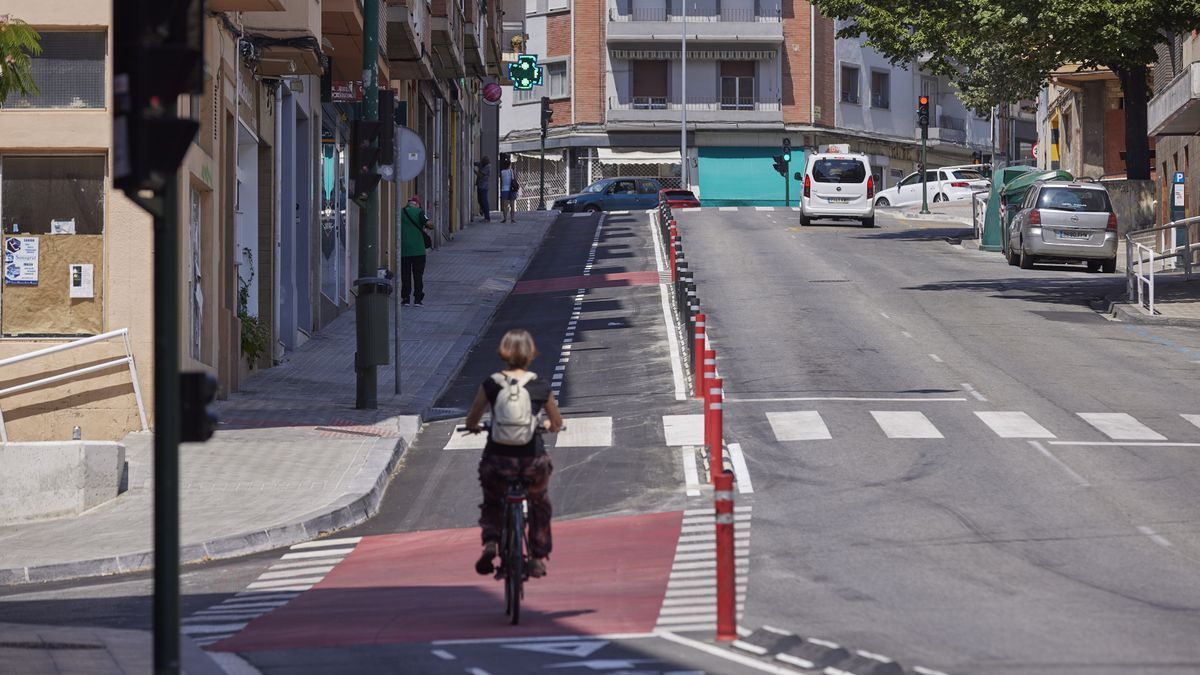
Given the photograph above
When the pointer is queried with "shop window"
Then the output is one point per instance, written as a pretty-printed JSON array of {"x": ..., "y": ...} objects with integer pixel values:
[
  {"x": 69, "y": 72},
  {"x": 52, "y": 216}
]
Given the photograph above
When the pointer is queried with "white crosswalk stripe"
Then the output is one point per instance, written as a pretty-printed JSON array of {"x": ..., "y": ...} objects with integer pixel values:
[
  {"x": 681, "y": 430},
  {"x": 905, "y": 424},
  {"x": 690, "y": 600},
  {"x": 1013, "y": 425},
  {"x": 1121, "y": 427},
  {"x": 801, "y": 425},
  {"x": 1194, "y": 419},
  {"x": 586, "y": 432}
]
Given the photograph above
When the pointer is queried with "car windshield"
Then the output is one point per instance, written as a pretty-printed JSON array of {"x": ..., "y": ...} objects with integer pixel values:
[
  {"x": 1073, "y": 199},
  {"x": 598, "y": 186},
  {"x": 680, "y": 194},
  {"x": 839, "y": 171},
  {"x": 968, "y": 174}
]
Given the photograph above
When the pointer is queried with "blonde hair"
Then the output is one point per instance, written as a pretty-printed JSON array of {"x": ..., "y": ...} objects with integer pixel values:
[{"x": 517, "y": 348}]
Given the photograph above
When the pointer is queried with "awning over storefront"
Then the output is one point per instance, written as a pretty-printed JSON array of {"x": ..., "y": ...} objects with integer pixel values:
[
  {"x": 698, "y": 54},
  {"x": 610, "y": 156}
]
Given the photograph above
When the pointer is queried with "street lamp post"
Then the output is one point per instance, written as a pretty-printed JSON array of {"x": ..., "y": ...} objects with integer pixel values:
[{"x": 683, "y": 158}]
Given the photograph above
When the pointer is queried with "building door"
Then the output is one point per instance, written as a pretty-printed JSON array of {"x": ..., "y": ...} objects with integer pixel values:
[{"x": 737, "y": 85}]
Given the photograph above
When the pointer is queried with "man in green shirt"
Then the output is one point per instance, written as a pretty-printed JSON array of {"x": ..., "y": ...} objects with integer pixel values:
[{"x": 413, "y": 242}]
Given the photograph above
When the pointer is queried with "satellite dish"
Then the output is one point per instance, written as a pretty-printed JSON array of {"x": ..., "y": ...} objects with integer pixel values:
[{"x": 410, "y": 154}]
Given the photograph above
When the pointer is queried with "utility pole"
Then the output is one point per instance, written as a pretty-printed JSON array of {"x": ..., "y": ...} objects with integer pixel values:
[
  {"x": 547, "y": 116},
  {"x": 923, "y": 120},
  {"x": 683, "y": 157},
  {"x": 366, "y": 376}
]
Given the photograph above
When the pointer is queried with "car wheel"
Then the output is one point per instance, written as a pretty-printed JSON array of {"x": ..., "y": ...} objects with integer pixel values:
[
  {"x": 805, "y": 221},
  {"x": 1094, "y": 265},
  {"x": 1026, "y": 260},
  {"x": 592, "y": 208},
  {"x": 868, "y": 222},
  {"x": 1109, "y": 266},
  {"x": 882, "y": 201},
  {"x": 1012, "y": 257}
]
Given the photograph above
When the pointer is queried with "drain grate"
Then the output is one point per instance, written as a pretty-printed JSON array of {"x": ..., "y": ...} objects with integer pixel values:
[{"x": 48, "y": 645}]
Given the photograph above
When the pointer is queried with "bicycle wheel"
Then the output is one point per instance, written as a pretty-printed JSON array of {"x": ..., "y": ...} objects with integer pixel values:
[
  {"x": 505, "y": 545},
  {"x": 515, "y": 564}
]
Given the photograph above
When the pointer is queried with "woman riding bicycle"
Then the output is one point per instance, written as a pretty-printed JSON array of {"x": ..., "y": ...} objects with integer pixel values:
[{"x": 501, "y": 463}]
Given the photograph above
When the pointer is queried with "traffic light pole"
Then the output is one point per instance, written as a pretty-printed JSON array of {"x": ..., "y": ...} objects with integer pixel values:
[
  {"x": 167, "y": 429},
  {"x": 542, "y": 174},
  {"x": 787, "y": 185},
  {"x": 924, "y": 173},
  {"x": 366, "y": 376}
]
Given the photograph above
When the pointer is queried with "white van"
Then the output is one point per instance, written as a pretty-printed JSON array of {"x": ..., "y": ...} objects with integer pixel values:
[{"x": 838, "y": 185}]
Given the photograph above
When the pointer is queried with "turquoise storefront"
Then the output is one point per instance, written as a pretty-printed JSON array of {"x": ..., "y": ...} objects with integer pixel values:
[{"x": 745, "y": 177}]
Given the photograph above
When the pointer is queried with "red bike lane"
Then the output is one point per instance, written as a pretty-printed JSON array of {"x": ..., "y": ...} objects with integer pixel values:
[{"x": 606, "y": 576}]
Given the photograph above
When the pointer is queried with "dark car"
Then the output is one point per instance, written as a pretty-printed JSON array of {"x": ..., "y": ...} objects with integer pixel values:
[
  {"x": 678, "y": 199},
  {"x": 613, "y": 194}
]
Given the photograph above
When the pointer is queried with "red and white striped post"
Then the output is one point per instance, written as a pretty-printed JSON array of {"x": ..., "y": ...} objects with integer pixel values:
[
  {"x": 713, "y": 426},
  {"x": 698, "y": 351},
  {"x": 708, "y": 371},
  {"x": 726, "y": 574},
  {"x": 671, "y": 253}
]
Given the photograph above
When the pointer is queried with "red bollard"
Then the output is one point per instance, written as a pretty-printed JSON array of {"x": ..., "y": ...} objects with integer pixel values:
[
  {"x": 714, "y": 426},
  {"x": 708, "y": 371},
  {"x": 671, "y": 254},
  {"x": 698, "y": 350},
  {"x": 726, "y": 574}
]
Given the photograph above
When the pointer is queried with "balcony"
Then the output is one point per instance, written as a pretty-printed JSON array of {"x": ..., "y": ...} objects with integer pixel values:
[
  {"x": 406, "y": 40},
  {"x": 245, "y": 6},
  {"x": 447, "y": 33},
  {"x": 949, "y": 129},
  {"x": 474, "y": 44},
  {"x": 708, "y": 20},
  {"x": 664, "y": 111},
  {"x": 1175, "y": 111},
  {"x": 300, "y": 20}
]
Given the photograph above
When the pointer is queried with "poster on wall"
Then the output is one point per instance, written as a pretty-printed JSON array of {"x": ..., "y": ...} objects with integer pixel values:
[{"x": 21, "y": 261}]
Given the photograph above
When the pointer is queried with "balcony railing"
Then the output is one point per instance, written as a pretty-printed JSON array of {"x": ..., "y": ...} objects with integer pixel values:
[
  {"x": 700, "y": 12},
  {"x": 694, "y": 104},
  {"x": 954, "y": 123}
]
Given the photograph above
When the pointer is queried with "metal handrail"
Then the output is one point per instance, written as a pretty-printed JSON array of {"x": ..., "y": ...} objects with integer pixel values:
[
  {"x": 1139, "y": 282},
  {"x": 122, "y": 333}
]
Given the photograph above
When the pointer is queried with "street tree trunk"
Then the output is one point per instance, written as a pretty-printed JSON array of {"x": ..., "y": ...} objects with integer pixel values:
[{"x": 1137, "y": 143}]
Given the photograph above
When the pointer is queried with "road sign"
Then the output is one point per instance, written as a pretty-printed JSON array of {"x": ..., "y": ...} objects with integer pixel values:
[
  {"x": 1178, "y": 178},
  {"x": 410, "y": 154}
]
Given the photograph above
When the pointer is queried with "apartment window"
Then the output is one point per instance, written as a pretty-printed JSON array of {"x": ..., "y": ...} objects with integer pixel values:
[
  {"x": 544, "y": 6},
  {"x": 52, "y": 217},
  {"x": 649, "y": 80},
  {"x": 850, "y": 84},
  {"x": 881, "y": 89},
  {"x": 556, "y": 83},
  {"x": 737, "y": 85},
  {"x": 69, "y": 72}
]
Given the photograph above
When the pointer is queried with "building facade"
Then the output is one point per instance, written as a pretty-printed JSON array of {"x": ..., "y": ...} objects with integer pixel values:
[{"x": 1174, "y": 121}]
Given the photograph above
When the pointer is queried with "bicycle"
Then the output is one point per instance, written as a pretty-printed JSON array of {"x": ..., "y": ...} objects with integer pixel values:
[{"x": 514, "y": 547}]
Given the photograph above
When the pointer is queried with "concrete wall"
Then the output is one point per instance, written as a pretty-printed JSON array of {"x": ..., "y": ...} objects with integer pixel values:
[
  {"x": 52, "y": 480},
  {"x": 1134, "y": 202}
]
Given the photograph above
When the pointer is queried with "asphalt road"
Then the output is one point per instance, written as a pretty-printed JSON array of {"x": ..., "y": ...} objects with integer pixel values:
[{"x": 1035, "y": 543}]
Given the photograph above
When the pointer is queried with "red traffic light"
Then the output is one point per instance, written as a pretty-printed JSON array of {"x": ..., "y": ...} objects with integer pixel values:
[{"x": 924, "y": 100}]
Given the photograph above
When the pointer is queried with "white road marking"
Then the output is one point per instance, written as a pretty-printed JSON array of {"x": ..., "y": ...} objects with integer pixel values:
[
  {"x": 320, "y": 554},
  {"x": 322, "y": 543},
  {"x": 618, "y": 213},
  {"x": 683, "y": 429},
  {"x": 1194, "y": 419},
  {"x": 795, "y": 661},
  {"x": 1121, "y": 427},
  {"x": 905, "y": 424},
  {"x": 555, "y": 638},
  {"x": 720, "y": 652},
  {"x": 764, "y": 208},
  {"x": 727, "y": 208},
  {"x": 668, "y": 321},
  {"x": 690, "y": 209},
  {"x": 200, "y": 619},
  {"x": 583, "y": 214},
  {"x": 747, "y": 647},
  {"x": 586, "y": 432},
  {"x": 1049, "y": 455},
  {"x": 799, "y": 425},
  {"x": 478, "y": 671},
  {"x": 862, "y": 399},
  {"x": 1154, "y": 536},
  {"x": 936, "y": 358},
  {"x": 215, "y": 628},
  {"x": 443, "y": 655},
  {"x": 307, "y": 563},
  {"x": 741, "y": 472},
  {"x": 971, "y": 390},
  {"x": 1130, "y": 444},
  {"x": 286, "y": 582},
  {"x": 247, "y": 605},
  {"x": 1013, "y": 425},
  {"x": 298, "y": 572},
  {"x": 260, "y": 596},
  {"x": 921, "y": 670},
  {"x": 691, "y": 475},
  {"x": 738, "y": 508},
  {"x": 462, "y": 441}
]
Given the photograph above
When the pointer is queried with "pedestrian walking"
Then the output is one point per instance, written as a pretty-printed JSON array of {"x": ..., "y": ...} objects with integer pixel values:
[
  {"x": 508, "y": 192},
  {"x": 414, "y": 240},
  {"x": 483, "y": 178}
]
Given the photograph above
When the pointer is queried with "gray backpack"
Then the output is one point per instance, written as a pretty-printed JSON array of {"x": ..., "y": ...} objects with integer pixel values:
[{"x": 513, "y": 421}]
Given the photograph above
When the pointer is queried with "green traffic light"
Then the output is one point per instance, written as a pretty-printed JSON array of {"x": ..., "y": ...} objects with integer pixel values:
[{"x": 787, "y": 157}]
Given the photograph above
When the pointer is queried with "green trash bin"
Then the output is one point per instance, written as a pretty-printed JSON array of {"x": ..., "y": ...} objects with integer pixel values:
[{"x": 372, "y": 318}]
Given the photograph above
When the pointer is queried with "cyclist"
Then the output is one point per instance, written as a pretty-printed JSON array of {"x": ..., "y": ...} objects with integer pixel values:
[{"x": 501, "y": 463}]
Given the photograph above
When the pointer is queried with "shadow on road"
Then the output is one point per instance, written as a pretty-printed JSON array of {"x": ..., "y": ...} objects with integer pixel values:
[{"x": 1085, "y": 290}]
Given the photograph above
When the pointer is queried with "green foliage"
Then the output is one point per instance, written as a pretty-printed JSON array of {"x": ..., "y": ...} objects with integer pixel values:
[
  {"x": 18, "y": 44},
  {"x": 255, "y": 336}
]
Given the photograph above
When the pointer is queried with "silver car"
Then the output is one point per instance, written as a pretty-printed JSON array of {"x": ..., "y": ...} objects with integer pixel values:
[{"x": 1064, "y": 222}]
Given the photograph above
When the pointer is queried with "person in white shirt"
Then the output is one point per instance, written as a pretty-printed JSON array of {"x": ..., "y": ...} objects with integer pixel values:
[{"x": 508, "y": 192}]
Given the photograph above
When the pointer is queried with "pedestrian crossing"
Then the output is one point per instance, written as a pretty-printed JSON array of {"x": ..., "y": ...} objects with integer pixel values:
[
  {"x": 690, "y": 603},
  {"x": 302, "y": 567},
  {"x": 679, "y": 431}
]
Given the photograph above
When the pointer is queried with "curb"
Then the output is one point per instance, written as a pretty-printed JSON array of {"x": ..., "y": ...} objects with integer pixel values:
[
  {"x": 1118, "y": 307},
  {"x": 349, "y": 510},
  {"x": 809, "y": 653}
]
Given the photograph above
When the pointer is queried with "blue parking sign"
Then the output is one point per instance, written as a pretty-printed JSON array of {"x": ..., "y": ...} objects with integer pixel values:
[{"x": 1178, "y": 178}]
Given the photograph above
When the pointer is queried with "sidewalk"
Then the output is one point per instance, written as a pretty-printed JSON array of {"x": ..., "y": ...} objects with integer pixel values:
[{"x": 293, "y": 459}]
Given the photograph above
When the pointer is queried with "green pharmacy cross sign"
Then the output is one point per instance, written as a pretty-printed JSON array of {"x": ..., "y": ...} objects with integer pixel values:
[{"x": 525, "y": 72}]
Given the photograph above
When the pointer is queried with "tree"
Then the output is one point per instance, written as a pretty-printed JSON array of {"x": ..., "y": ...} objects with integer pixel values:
[
  {"x": 1002, "y": 52},
  {"x": 18, "y": 44}
]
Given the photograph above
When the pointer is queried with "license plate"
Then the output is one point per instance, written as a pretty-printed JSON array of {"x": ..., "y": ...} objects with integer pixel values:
[
  {"x": 1066, "y": 234},
  {"x": 838, "y": 200}
]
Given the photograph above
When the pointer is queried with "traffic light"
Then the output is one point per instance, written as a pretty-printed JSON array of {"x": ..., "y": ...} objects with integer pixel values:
[
  {"x": 196, "y": 392},
  {"x": 157, "y": 48},
  {"x": 525, "y": 72},
  {"x": 547, "y": 113},
  {"x": 387, "y": 127},
  {"x": 781, "y": 165},
  {"x": 923, "y": 112},
  {"x": 787, "y": 152},
  {"x": 364, "y": 154}
]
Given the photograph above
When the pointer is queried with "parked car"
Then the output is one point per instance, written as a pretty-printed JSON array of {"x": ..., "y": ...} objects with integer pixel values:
[
  {"x": 1062, "y": 221},
  {"x": 947, "y": 184},
  {"x": 678, "y": 199},
  {"x": 613, "y": 194},
  {"x": 837, "y": 185}
]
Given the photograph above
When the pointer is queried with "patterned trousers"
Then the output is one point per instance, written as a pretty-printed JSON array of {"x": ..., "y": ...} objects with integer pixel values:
[{"x": 494, "y": 474}]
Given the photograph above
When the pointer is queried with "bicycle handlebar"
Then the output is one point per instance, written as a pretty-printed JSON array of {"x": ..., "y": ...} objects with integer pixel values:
[{"x": 487, "y": 426}]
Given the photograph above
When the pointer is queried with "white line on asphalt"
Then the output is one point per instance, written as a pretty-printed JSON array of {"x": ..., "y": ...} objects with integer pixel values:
[
  {"x": 936, "y": 358},
  {"x": 864, "y": 399},
  {"x": 555, "y": 638},
  {"x": 586, "y": 432},
  {"x": 298, "y": 572},
  {"x": 320, "y": 543},
  {"x": 668, "y": 323},
  {"x": 221, "y": 628},
  {"x": 666, "y": 621},
  {"x": 922, "y": 670},
  {"x": 905, "y": 424},
  {"x": 823, "y": 643},
  {"x": 1154, "y": 536},
  {"x": 478, "y": 671},
  {"x": 799, "y": 425},
  {"x": 971, "y": 390},
  {"x": 1128, "y": 444},
  {"x": 1013, "y": 424},
  {"x": 244, "y": 605},
  {"x": 741, "y": 472},
  {"x": 261, "y": 596},
  {"x": 727, "y": 208},
  {"x": 683, "y": 429},
  {"x": 795, "y": 661},
  {"x": 229, "y": 616},
  {"x": 764, "y": 208},
  {"x": 307, "y": 563},
  {"x": 705, "y": 564},
  {"x": 747, "y": 647},
  {"x": 308, "y": 581},
  {"x": 1194, "y": 419},
  {"x": 691, "y": 475},
  {"x": 1121, "y": 427},
  {"x": 317, "y": 554},
  {"x": 444, "y": 655},
  {"x": 740, "y": 508},
  {"x": 713, "y": 650},
  {"x": 1042, "y": 449},
  {"x": 706, "y": 583}
]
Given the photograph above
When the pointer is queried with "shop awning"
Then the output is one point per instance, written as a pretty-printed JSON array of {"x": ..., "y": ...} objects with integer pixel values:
[
  {"x": 697, "y": 54},
  {"x": 610, "y": 156}
]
